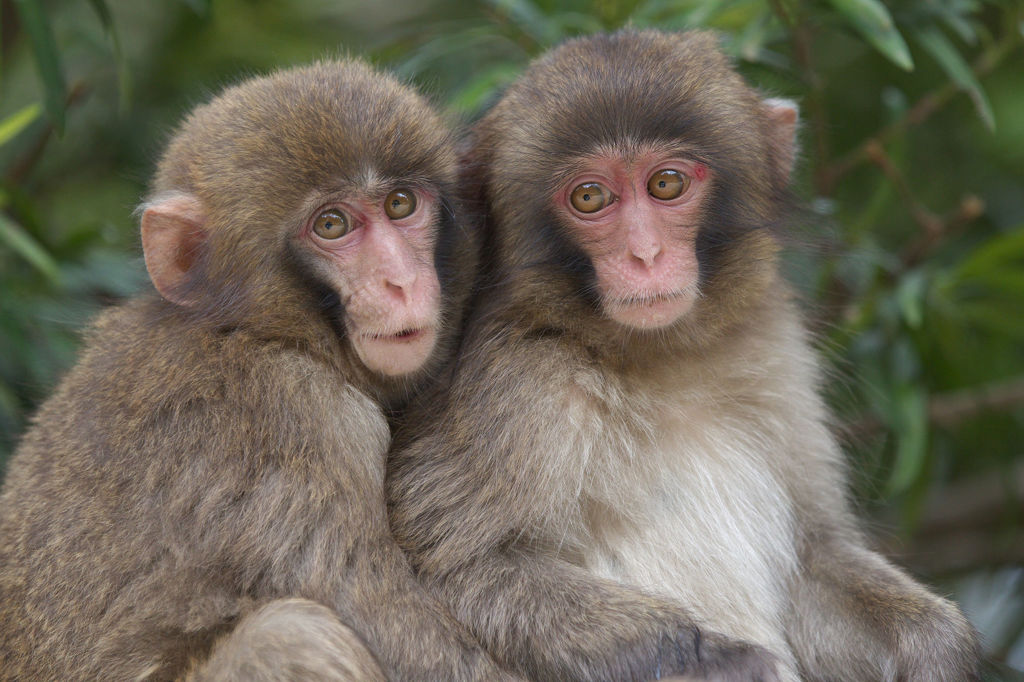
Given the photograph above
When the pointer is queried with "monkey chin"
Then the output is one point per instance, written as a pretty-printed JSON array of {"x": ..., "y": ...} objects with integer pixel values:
[
  {"x": 649, "y": 313},
  {"x": 394, "y": 355}
]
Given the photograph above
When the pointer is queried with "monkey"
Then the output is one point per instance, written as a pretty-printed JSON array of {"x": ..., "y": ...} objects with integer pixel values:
[
  {"x": 629, "y": 473},
  {"x": 202, "y": 497}
]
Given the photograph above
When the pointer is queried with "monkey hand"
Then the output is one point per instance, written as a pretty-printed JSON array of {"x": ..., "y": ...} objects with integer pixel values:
[
  {"x": 696, "y": 654},
  {"x": 289, "y": 639},
  {"x": 941, "y": 647}
]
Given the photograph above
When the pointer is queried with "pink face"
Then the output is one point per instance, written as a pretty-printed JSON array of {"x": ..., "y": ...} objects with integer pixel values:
[
  {"x": 379, "y": 256},
  {"x": 637, "y": 219}
]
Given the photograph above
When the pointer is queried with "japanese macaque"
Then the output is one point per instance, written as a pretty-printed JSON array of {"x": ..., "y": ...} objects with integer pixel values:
[
  {"x": 630, "y": 474},
  {"x": 203, "y": 495}
]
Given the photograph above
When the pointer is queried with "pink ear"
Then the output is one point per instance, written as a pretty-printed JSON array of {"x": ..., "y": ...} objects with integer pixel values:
[
  {"x": 782, "y": 122},
  {"x": 172, "y": 234}
]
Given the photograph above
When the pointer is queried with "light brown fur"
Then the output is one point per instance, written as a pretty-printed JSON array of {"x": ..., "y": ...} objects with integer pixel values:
[
  {"x": 592, "y": 496},
  {"x": 209, "y": 476}
]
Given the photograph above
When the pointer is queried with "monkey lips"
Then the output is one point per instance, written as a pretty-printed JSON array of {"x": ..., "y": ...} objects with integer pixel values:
[
  {"x": 653, "y": 310},
  {"x": 396, "y": 353}
]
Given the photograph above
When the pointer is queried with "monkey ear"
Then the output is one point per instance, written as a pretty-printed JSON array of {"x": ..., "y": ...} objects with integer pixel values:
[
  {"x": 783, "y": 116},
  {"x": 172, "y": 234}
]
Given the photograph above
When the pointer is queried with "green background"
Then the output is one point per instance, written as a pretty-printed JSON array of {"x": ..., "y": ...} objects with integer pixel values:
[{"x": 911, "y": 263}]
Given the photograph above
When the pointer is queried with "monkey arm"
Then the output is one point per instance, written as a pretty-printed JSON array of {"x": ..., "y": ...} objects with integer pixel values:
[
  {"x": 288, "y": 639},
  {"x": 234, "y": 483},
  {"x": 856, "y": 616},
  {"x": 552, "y": 620},
  {"x": 482, "y": 496},
  {"x": 309, "y": 521}
]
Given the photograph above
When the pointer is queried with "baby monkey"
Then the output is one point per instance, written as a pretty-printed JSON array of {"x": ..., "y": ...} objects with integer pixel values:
[
  {"x": 631, "y": 474},
  {"x": 203, "y": 495}
]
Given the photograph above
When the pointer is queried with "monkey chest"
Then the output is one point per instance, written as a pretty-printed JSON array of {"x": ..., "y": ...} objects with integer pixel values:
[{"x": 697, "y": 515}]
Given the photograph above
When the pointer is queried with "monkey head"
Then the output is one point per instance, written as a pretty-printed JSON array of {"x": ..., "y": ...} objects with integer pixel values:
[
  {"x": 648, "y": 174},
  {"x": 313, "y": 206}
]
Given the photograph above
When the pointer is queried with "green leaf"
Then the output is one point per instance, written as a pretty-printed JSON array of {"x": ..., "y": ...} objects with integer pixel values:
[
  {"x": 943, "y": 51},
  {"x": 959, "y": 25},
  {"x": 910, "y": 421},
  {"x": 123, "y": 74},
  {"x": 750, "y": 42},
  {"x": 103, "y": 12},
  {"x": 1008, "y": 281},
  {"x": 702, "y": 13},
  {"x": 873, "y": 21},
  {"x": 200, "y": 7},
  {"x": 28, "y": 248},
  {"x": 530, "y": 19},
  {"x": 44, "y": 48},
  {"x": 910, "y": 295},
  {"x": 18, "y": 121},
  {"x": 994, "y": 254},
  {"x": 1001, "y": 318},
  {"x": 474, "y": 94}
]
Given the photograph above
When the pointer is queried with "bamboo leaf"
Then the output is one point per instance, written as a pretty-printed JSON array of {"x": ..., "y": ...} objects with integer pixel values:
[
  {"x": 993, "y": 254},
  {"x": 995, "y": 317},
  {"x": 21, "y": 242},
  {"x": 474, "y": 94},
  {"x": 530, "y": 19},
  {"x": 44, "y": 49},
  {"x": 942, "y": 51},
  {"x": 911, "y": 424},
  {"x": 18, "y": 121},
  {"x": 873, "y": 21},
  {"x": 910, "y": 294},
  {"x": 200, "y": 7},
  {"x": 103, "y": 12},
  {"x": 123, "y": 74}
]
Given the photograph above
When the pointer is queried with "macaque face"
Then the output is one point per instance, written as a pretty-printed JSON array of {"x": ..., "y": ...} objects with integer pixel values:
[
  {"x": 377, "y": 253},
  {"x": 637, "y": 216}
]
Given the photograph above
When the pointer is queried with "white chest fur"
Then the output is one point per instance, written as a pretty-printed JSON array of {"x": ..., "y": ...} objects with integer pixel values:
[{"x": 696, "y": 512}]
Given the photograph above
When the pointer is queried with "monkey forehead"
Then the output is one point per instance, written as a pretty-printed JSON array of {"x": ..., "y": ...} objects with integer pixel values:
[
  {"x": 321, "y": 125},
  {"x": 641, "y": 87}
]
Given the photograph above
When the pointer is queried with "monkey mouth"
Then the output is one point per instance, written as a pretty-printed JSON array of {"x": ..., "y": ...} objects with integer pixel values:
[
  {"x": 650, "y": 310},
  {"x": 408, "y": 335},
  {"x": 644, "y": 300}
]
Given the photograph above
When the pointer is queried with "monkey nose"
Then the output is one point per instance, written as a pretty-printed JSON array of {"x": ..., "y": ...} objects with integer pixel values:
[
  {"x": 647, "y": 254},
  {"x": 399, "y": 284}
]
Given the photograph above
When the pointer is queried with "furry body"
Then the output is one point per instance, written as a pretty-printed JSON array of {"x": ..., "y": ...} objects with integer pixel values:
[
  {"x": 210, "y": 475},
  {"x": 603, "y": 499}
]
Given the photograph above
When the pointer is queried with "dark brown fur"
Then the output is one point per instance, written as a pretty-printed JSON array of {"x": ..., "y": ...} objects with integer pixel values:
[
  {"x": 210, "y": 476},
  {"x": 555, "y": 500}
]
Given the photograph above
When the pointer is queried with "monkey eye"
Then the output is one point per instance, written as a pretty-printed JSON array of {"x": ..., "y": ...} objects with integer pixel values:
[
  {"x": 667, "y": 184},
  {"x": 332, "y": 223},
  {"x": 400, "y": 204},
  {"x": 590, "y": 197}
]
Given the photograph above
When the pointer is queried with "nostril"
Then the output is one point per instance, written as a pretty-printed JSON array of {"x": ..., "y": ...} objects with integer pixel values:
[
  {"x": 399, "y": 280},
  {"x": 396, "y": 290},
  {"x": 648, "y": 257}
]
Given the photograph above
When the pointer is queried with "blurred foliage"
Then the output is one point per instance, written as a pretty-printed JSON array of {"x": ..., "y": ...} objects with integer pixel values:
[{"x": 911, "y": 262}]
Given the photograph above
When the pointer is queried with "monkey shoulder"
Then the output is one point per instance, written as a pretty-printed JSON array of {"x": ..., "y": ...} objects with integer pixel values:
[{"x": 152, "y": 391}]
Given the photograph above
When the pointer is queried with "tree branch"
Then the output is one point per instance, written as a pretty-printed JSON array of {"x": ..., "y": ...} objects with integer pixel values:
[
  {"x": 964, "y": 526},
  {"x": 949, "y": 409},
  {"x": 817, "y": 111}
]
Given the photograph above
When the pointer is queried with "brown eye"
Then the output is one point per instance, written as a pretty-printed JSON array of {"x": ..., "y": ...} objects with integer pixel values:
[
  {"x": 332, "y": 224},
  {"x": 400, "y": 204},
  {"x": 590, "y": 197},
  {"x": 667, "y": 184}
]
